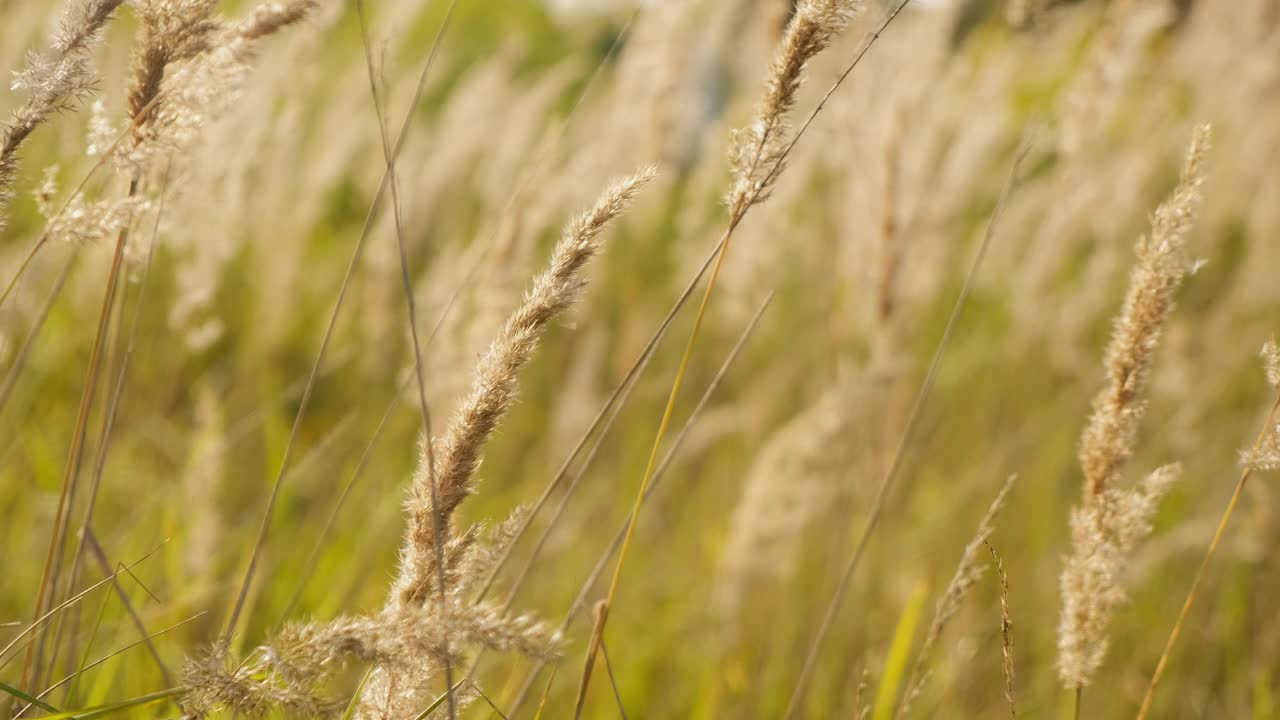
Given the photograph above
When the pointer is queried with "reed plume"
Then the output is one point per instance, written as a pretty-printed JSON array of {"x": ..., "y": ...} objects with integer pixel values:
[
  {"x": 54, "y": 81},
  {"x": 169, "y": 105},
  {"x": 758, "y": 152},
  {"x": 447, "y": 470},
  {"x": 1266, "y": 456},
  {"x": 171, "y": 31},
  {"x": 494, "y": 388},
  {"x": 1111, "y": 520}
]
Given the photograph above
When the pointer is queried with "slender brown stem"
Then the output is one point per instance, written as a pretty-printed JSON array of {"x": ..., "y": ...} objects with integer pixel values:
[
  {"x": 613, "y": 682},
  {"x": 106, "y": 432},
  {"x": 103, "y": 562},
  {"x": 1267, "y": 427},
  {"x": 437, "y": 521},
  {"x": 75, "y": 454}
]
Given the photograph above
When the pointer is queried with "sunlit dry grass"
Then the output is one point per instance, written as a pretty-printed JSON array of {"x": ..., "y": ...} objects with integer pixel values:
[{"x": 410, "y": 359}]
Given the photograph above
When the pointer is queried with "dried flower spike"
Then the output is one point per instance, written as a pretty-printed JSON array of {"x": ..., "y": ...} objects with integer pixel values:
[
  {"x": 457, "y": 452},
  {"x": 1110, "y": 521},
  {"x": 757, "y": 152}
]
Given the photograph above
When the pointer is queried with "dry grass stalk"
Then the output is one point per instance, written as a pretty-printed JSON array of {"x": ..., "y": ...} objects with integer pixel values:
[
  {"x": 758, "y": 152},
  {"x": 447, "y": 471},
  {"x": 1264, "y": 455},
  {"x": 756, "y": 158},
  {"x": 458, "y": 450},
  {"x": 171, "y": 32},
  {"x": 55, "y": 80},
  {"x": 410, "y": 646},
  {"x": 967, "y": 574},
  {"x": 1111, "y": 520},
  {"x": 1108, "y": 439}
]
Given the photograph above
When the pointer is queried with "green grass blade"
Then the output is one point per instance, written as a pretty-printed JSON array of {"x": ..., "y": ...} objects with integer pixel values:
[
  {"x": 439, "y": 701},
  {"x": 104, "y": 710},
  {"x": 27, "y": 698},
  {"x": 899, "y": 651},
  {"x": 355, "y": 699}
]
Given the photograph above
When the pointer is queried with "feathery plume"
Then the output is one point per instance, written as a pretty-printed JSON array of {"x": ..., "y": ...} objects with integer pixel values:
[
  {"x": 408, "y": 645},
  {"x": 55, "y": 80},
  {"x": 217, "y": 56},
  {"x": 495, "y": 386},
  {"x": 1271, "y": 362},
  {"x": 1104, "y": 532},
  {"x": 1110, "y": 521},
  {"x": 757, "y": 152},
  {"x": 269, "y": 18},
  {"x": 171, "y": 31},
  {"x": 1266, "y": 455},
  {"x": 1108, "y": 439}
]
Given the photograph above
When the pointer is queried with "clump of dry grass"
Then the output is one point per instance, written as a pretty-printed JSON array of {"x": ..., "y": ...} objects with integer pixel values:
[
  {"x": 1111, "y": 520},
  {"x": 270, "y": 192},
  {"x": 410, "y": 645}
]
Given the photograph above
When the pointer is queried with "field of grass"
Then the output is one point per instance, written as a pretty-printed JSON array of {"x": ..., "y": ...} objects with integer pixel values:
[{"x": 681, "y": 358}]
